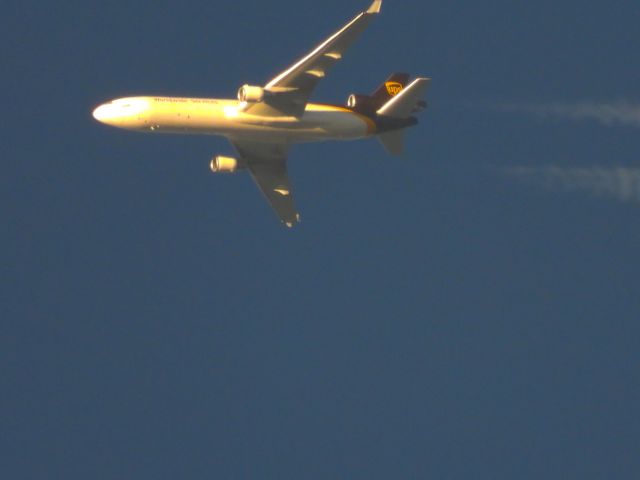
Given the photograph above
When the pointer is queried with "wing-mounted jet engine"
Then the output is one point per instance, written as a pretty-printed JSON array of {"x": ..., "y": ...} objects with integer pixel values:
[{"x": 222, "y": 164}]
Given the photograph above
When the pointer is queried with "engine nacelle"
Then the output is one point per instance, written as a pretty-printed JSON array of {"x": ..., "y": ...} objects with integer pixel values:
[
  {"x": 249, "y": 93},
  {"x": 222, "y": 164},
  {"x": 361, "y": 103}
]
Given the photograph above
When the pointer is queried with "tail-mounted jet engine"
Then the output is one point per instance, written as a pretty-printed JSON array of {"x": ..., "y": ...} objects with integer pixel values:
[
  {"x": 251, "y": 94},
  {"x": 222, "y": 164},
  {"x": 361, "y": 103}
]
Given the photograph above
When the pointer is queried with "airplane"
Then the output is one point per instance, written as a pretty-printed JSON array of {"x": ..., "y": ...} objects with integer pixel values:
[{"x": 264, "y": 122}]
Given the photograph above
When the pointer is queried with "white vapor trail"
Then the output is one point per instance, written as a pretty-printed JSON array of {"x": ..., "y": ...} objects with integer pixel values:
[
  {"x": 620, "y": 183},
  {"x": 612, "y": 113}
]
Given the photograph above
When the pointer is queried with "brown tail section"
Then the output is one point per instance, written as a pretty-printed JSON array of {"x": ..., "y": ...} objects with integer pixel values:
[{"x": 390, "y": 88}]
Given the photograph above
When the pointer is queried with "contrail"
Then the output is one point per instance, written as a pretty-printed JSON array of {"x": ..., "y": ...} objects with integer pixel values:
[
  {"x": 612, "y": 113},
  {"x": 619, "y": 183}
]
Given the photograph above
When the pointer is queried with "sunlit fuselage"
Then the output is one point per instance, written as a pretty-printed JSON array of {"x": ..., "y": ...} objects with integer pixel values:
[{"x": 228, "y": 118}]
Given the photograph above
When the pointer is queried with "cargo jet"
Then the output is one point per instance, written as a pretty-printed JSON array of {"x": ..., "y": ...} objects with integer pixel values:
[{"x": 265, "y": 121}]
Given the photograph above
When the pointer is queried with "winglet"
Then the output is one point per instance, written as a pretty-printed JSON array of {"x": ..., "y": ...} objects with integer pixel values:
[{"x": 375, "y": 6}]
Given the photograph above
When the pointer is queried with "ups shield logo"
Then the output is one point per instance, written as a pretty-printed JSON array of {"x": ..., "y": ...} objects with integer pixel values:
[{"x": 393, "y": 88}]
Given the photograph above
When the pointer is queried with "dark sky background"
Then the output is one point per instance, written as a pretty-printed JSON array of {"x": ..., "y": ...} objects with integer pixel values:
[{"x": 432, "y": 317}]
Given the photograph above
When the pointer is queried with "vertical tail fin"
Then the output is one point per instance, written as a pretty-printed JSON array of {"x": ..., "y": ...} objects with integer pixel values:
[
  {"x": 390, "y": 88},
  {"x": 407, "y": 101},
  {"x": 397, "y": 111}
]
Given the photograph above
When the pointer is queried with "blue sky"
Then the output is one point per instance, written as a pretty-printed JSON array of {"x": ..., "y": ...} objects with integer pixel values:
[{"x": 467, "y": 311}]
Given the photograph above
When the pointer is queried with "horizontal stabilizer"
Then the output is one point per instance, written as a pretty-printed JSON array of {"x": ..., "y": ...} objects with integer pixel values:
[{"x": 404, "y": 103}]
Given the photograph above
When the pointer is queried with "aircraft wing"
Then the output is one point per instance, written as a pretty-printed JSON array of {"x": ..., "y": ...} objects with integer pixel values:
[
  {"x": 267, "y": 163},
  {"x": 289, "y": 92}
]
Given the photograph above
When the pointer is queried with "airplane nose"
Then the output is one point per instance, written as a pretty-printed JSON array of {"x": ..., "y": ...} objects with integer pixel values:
[
  {"x": 122, "y": 112},
  {"x": 100, "y": 113}
]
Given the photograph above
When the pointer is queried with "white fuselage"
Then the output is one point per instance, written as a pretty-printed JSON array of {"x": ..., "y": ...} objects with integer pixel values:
[{"x": 228, "y": 118}]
